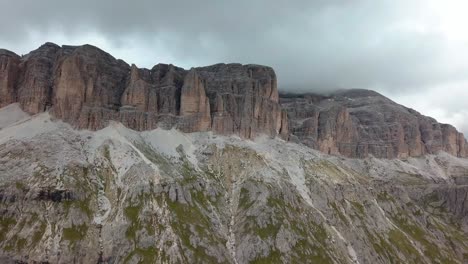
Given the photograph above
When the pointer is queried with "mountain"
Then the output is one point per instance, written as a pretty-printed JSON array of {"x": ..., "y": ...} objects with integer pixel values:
[
  {"x": 87, "y": 87},
  {"x": 104, "y": 162},
  {"x": 359, "y": 123}
]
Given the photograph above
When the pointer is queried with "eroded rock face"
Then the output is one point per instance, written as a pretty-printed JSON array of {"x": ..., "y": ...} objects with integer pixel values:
[
  {"x": 244, "y": 99},
  {"x": 9, "y": 68},
  {"x": 194, "y": 105},
  {"x": 35, "y": 81},
  {"x": 359, "y": 123},
  {"x": 87, "y": 87}
]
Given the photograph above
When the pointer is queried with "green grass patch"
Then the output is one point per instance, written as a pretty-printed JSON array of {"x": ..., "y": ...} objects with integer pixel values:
[
  {"x": 147, "y": 255},
  {"x": 20, "y": 186},
  {"x": 190, "y": 215},
  {"x": 5, "y": 224},
  {"x": 132, "y": 213},
  {"x": 16, "y": 243},
  {"x": 269, "y": 231},
  {"x": 339, "y": 213},
  {"x": 37, "y": 236},
  {"x": 75, "y": 233},
  {"x": 106, "y": 153},
  {"x": 385, "y": 197},
  {"x": 359, "y": 207},
  {"x": 403, "y": 245},
  {"x": 431, "y": 250},
  {"x": 244, "y": 199},
  {"x": 305, "y": 252},
  {"x": 273, "y": 257},
  {"x": 83, "y": 205}
]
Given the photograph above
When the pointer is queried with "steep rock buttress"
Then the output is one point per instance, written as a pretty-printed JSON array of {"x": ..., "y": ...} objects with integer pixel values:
[{"x": 87, "y": 88}]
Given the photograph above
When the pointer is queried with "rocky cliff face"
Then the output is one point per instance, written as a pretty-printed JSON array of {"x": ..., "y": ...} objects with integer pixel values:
[
  {"x": 9, "y": 72},
  {"x": 87, "y": 87},
  {"x": 358, "y": 123}
]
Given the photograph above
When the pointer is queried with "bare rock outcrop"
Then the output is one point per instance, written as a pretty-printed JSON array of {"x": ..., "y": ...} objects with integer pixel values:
[
  {"x": 87, "y": 88},
  {"x": 243, "y": 99},
  {"x": 359, "y": 123},
  {"x": 194, "y": 105},
  {"x": 35, "y": 81},
  {"x": 9, "y": 70}
]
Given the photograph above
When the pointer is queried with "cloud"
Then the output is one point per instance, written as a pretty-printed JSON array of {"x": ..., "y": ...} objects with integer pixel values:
[
  {"x": 401, "y": 48},
  {"x": 446, "y": 103}
]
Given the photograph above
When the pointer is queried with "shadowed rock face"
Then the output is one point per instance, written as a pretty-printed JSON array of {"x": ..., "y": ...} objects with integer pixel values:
[
  {"x": 9, "y": 70},
  {"x": 358, "y": 123},
  {"x": 87, "y": 87}
]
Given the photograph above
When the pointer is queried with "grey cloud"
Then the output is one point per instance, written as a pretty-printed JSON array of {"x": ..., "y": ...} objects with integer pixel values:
[{"x": 313, "y": 45}]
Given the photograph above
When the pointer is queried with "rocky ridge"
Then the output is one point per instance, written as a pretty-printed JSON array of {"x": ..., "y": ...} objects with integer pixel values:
[
  {"x": 88, "y": 88},
  {"x": 358, "y": 123}
]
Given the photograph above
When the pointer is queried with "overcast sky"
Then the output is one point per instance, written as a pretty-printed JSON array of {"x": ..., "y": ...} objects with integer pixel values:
[{"x": 413, "y": 51}]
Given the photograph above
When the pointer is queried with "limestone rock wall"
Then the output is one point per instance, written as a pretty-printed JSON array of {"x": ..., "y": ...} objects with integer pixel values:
[
  {"x": 9, "y": 70},
  {"x": 87, "y": 87},
  {"x": 243, "y": 99},
  {"x": 359, "y": 123}
]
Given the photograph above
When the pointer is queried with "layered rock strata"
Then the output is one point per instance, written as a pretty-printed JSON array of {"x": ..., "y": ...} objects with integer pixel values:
[
  {"x": 87, "y": 88},
  {"x": 359, "y": 123}
]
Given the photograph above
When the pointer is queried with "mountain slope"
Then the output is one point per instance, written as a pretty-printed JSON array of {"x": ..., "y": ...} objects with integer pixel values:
[{"x": 162, "y": 196}]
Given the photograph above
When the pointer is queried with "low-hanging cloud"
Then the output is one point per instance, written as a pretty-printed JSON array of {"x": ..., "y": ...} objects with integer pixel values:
[{"x": 400, "y": 48}]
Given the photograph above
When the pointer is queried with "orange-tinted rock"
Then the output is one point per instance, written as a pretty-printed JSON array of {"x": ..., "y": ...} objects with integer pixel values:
[
  {"x": 139, "y": 92},
  {"x": 243, "y": 99},
  {"x": 9, "y": 71},
  {"x": 88, "y": 88},
  {"x": 194, "y": 105},
  {"x": 70, "y": 91},
  {"x": 35, "y": 84}
]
